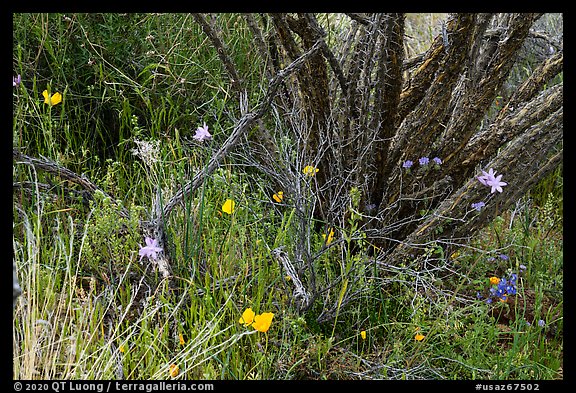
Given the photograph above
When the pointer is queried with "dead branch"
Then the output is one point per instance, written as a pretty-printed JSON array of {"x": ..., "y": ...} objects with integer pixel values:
[
  {"x": 49, "y": 166},
  {"x": 214, "y": 36}
]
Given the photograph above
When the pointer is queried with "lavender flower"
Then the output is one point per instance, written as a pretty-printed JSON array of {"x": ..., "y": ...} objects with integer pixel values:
[
  {"x": 437, "y": 160},
  {"x": 202, "y": 133},
  {"x": 541, "y": 323},
  {"x": 150, "y": 249},
  {"x": 407, "y": 164},
  {"x": 486, "y": 176},
  {"x": 496, "y": 184},
  {"x": 424, "y": 161},
  {"x": 491, "y": 180},
  {"x": 16, "y": 80},
  {"x": 478, "y": 205}
]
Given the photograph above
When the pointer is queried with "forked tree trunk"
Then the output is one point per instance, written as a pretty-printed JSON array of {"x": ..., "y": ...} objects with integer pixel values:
[
  {"x": 360, "y": 109},
  {"x": 375, "y": 116}
]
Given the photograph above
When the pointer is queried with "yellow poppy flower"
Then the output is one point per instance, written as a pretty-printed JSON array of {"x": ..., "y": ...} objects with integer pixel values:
[
  {"x": 330, "y": 237},
  {"x": 55, "y": 99},
  {"x": 263, "y": 321},
  {"x": 419, "y": 337},
  {"x": 181, "y": 339},
  {"x": 455, "y": 255},
  {"x": 174, "y": 370},
  {"x": 363, "y": 334},
  {"x": 310, "y": 170},
  {"x": 247, "y": 317},
  {"x": 494, "y": 280},
  {"x": 278, "y": 196},
  {"x": 228, "y": 206},
  {"x": 122, "y": 349}
]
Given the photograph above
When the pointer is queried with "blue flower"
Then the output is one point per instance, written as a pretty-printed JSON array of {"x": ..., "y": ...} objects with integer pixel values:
[
  {"x": 407, "y": 164},
  {"x": 541, "y": 323},
  {"x": 478, "y": 205},
  {"x": 424, "y": 161},
  {"x": 502, "y": 288},
  {"x": 504, "y": 257},
  {"x": 437, "y": 160}
]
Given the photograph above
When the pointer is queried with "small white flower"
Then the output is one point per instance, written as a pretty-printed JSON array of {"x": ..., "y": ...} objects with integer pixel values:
[{"x": 149, "y": 152}]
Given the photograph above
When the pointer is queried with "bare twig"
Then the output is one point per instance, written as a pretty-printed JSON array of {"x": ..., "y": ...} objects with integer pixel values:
[
  {"x": 221, "y": 49},
  {"x": 241, "y": 128},
  {"x": 301, "y": 295},
  {"x": 359, "y": 18}
]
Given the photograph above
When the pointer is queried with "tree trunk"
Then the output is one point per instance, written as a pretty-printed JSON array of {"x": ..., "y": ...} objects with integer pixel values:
[{"x": 365, "y": 115}]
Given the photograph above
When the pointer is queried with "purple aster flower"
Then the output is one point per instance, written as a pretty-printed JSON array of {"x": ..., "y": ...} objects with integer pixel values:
[
  {"x": 504, "y": 257},
  {"x": 16, "y": 80},
  {"x": 478, "y": 205},
  {"x": 489, "y": 300},
  {"x": 496, "y": 184},
  {"x": 478, "y": 295},
  {"x": 522, "y": 268},
  {"x": 437, "y": 160},
  {"x": 202, "y": 133},
  {"x": 150, "y": 249},
  {"x": 407, "y": 164},
  {"x": 424, "y": 161}
]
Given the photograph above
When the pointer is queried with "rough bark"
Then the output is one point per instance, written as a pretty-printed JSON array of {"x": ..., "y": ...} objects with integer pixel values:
[{"x": 381, "y": 116}]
